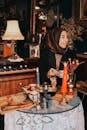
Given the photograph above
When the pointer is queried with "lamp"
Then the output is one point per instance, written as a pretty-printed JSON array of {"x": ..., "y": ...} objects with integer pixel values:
[{"x": 12, "y": 33}]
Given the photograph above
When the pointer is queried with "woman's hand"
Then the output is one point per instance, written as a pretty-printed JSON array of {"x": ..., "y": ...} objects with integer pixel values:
[{"x": 52, "y": 72}]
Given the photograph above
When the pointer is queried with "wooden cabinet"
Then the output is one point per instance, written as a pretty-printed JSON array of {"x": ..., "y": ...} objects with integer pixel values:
[
  {"x": 12, "y": 81},
  {"x": 14, "y": 75}
]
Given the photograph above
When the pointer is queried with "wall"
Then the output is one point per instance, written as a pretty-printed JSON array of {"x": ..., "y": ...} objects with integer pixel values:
[{"x": 66, "y": 8}]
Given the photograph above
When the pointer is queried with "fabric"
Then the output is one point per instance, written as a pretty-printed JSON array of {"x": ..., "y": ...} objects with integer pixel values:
[
  {"x": 53, "y": 41},
  {"x": 58, "y": 60},
  {"x": 69, "y": 120}
]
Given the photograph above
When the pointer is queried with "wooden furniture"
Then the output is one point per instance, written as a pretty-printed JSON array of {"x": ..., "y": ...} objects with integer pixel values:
[
  {"x": 12, "y": 81},
  {"x": 13, "y": 76}
]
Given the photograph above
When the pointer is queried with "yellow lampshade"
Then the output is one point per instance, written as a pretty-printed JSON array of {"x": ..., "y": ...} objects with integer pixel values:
[{"x": 12, "y": 31}]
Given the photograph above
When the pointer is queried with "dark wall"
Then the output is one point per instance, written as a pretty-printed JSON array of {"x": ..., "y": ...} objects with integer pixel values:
[
  {"x": 23, "y": 12},
  {"x": 66, "y": 8}
]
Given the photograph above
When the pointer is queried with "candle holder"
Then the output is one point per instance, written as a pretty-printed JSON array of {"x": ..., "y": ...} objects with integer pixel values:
[{"x": 71, "y": 82}]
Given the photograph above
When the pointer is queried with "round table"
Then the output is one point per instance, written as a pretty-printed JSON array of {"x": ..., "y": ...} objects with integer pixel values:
[{"x": 56, "y": 117}]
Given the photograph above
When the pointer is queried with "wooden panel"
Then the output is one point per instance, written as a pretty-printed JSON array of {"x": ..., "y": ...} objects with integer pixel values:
[{"x": 12, "y": 83}]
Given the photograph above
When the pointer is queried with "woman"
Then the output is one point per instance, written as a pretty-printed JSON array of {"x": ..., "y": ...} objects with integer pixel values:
[{"x": 57, "y": 50}]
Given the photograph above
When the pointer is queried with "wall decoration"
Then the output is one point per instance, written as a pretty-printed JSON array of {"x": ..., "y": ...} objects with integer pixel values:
[
  {"x": 79, "y": 12},
  {"x": 83, "y": 9},
  {"x": 34, "y": 51}
]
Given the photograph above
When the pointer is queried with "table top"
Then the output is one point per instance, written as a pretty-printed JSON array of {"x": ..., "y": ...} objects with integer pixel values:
[{"x": 54, "y": 107}]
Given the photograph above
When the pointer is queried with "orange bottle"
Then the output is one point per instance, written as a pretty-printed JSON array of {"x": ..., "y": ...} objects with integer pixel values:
[{"x": 64, "y": 85}]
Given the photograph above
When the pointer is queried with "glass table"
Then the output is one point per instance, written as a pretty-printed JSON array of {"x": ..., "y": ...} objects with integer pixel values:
[{"x": 56, "y": 117}]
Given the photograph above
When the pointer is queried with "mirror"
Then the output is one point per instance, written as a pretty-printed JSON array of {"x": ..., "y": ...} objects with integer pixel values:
[{"x": 44, "y": 13}]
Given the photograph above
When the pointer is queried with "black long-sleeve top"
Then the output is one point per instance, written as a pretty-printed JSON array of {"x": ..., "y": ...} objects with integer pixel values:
[{"x": 48, "y": 60}]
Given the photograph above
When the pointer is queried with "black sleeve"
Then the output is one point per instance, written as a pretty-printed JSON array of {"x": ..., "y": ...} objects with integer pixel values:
[
  {"x": 51, "y": 60},
  {"x": 69, "y": 54},
  {"x": 47, "y": 61}
]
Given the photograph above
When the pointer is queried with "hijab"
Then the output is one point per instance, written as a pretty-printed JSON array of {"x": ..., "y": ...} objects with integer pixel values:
[{"x": 53, "y": 41}]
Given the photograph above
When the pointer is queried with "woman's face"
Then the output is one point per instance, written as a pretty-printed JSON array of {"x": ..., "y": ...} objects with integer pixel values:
[{"x": 63, "y": 40}]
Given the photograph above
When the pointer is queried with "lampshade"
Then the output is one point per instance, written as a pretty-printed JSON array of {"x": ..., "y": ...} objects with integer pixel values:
[{"x": 12, "y": 31}]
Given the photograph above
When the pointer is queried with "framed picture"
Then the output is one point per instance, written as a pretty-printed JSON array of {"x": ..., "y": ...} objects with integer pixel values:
[
  {"x": 79, "y": 12},
  {"x": 34, "y": 51},
  {"x": 83, "y": 9}
]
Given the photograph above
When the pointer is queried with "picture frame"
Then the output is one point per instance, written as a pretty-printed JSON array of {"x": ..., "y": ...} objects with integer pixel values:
[
  {"x": 78, "y": 12},
  {"x": 34, "y": 51},
  {"x": 83, "y": 9}
]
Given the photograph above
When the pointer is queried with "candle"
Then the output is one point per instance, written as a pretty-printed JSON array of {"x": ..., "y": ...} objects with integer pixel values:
[
  {"x": 64, "y": 89},
  {"x": 38, "y": 76}
]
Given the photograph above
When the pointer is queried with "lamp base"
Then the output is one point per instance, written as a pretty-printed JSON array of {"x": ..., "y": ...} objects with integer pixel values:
[{"x": 15, "y": 58}]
